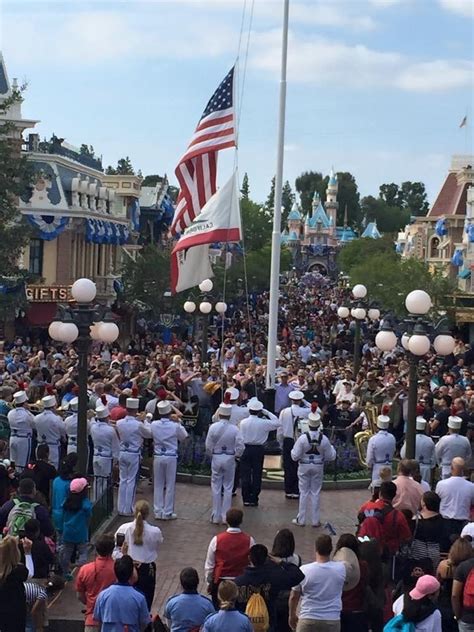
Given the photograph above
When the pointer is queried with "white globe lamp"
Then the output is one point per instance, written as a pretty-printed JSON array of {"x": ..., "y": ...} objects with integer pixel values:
[
  {"x": 68, "y": 332},
  {"x": 94, "y": 330},
  {"x": 205, "y": 307},
  {"x": 359, "y": 313},
  {"x": 405, "y": 339},
  {"x": 206, "y": 285},
  {"x": 108, "y": 332},
  {"x": 54, "y": 330},
  {"x": 353, "y": 309},
  {"x": 221, "y": 307},
  {"x": 418, "y": 302},
  {"x": 359, "y": 291},
  {"x": 374, "y": 313},
  {"x": 444, "y": 344},
  {"x": 343, "y": 312},
  {"x": 189, "y": 307},
  {"x": 83, "y": 290},
  {"x": 419, "y": 345},
  {"x": 386, "y": 340}
]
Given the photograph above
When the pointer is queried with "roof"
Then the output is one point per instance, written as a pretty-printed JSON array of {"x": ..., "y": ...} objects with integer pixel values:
[
  {"x": 295, "y": 212},
  {"x": 451, "y": 199},
  {"x": 318, "y": 217},
  {"x": 371, "y": 231},
  {"x": 332, "y": 178},
  {"x": 345, "y": 234}
]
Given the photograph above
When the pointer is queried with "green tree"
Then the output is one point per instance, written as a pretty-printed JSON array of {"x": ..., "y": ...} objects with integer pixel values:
[
  {"x": 306, "y": 184},
  {"x": 348, "y": 195},
  {"x": 390, "y": 219},
  {"x": 357, "y": 251},
  {"x": 110, "y": 171},
  {"x": 270, "y": 203},
  {"x": 124, "y": 167},
  {"x": 245, "y": 190},
  {"x": 151, "y": 180},
  {"x": 257, "y": 224},
  {"x": 87, "y": 150},
  {"x": 414, "y": 198},
  {"x": 287, "y": 201},
  {"x": 391, "y": 194}
]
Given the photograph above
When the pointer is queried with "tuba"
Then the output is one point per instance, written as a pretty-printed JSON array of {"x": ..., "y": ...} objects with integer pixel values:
[{"x": 361, "y": 439}]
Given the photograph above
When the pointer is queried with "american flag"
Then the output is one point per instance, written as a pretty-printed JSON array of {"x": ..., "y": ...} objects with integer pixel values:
[{"x": 196, "y": 171}]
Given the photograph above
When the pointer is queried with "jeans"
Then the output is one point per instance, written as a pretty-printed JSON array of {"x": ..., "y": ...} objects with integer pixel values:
[
  {"x": 316, "y": 625},
  {"x": 66, "y": 551},
  {"x": 465, "y": 627}
]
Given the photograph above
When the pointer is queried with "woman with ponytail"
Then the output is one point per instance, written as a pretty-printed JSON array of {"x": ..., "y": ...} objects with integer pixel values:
[
  {"x": 228, "y": 618},
  {"x": 142, "y": 541}
]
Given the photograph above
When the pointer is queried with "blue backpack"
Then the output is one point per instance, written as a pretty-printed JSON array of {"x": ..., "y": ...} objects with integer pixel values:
[{"x": 399, "y": 624}]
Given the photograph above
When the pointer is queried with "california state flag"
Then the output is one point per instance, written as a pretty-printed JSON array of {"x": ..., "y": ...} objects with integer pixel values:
[{"x": 219, "y": 221}]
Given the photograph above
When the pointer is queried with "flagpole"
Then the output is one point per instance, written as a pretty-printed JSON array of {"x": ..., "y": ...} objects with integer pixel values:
[{"x": 276, "y": 234}]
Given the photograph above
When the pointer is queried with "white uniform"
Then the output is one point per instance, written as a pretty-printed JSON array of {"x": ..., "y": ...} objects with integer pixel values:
[
  {"x": 424, "y": 454},
  {"x": 310, "y": 471},
  {"x": 131, "y": 433},
  {"x": 224, "y": 442},
  {"x": 165, "y": 434},
  {"x": 21, "y": 423},
  {"x": 449, "y": 447},
  {"x": 50, "y": 429},
  {"x": 294, "y": 421},
  {"x": 238, "y": 413},
  {"x": 106, "y": 447},
  {"x": 380, "y": 451},
  {"x": 71, "y": 431}
]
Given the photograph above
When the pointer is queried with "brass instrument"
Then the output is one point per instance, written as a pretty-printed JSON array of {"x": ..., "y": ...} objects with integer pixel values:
[{"x": 361, "y": 439}]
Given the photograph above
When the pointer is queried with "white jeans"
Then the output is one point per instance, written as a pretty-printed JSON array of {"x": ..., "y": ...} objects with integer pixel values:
[
  {"x": 310, "y": 481},
  {"x": 129, "y": 464},
  {"x": 425, "y": 471},
  {"x": 164, "y": 477},
  {"x": 222, "y": 478},
  {"x": 20, "y": 448}
]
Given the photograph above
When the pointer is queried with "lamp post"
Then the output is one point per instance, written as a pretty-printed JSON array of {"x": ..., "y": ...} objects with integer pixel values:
[
  {"x": 205, "y": 307},
  {"x": 81, "y": 323},
  {"x": 417, "y": 339},
  {"x": 359, "y": 313}
]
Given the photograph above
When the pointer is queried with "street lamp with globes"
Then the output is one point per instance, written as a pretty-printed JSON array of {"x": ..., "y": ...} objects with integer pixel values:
[
  {"x": 417, "y": 339},
  {"x": 81, "y": 323},
  {"x": 205, "y": 307}
]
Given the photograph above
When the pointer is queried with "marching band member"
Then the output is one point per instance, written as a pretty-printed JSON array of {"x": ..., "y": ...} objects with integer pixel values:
[
  {"x": 131, "y": 432},
  {"x": 381, "y": 447},
  {"x": 224, "y": 442},
  {"x": 50, "y": 428},
  {"x": 21, "y": 423},
  {"x": 71, "y": 426},
  {"x": 231, "y": 396},
  {"x": 311, "y": 451},
  {"x": 290, "y": 430},
  {"x": 424, "y": 450},
  {"x": 106, "y": 442},
  {"x": 451, "y": 446},
  {"x": 166, "y": 434}
]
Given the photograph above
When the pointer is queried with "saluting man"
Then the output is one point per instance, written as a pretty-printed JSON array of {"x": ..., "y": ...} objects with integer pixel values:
[
  {"x": 225, "y": 444},
  {"x": 21, "y": 422},
  {"x": 451, "y": 446},
  {"x": 381, "y": 448},
  {"x": 50, "y": 428},
  {"x": 71, "y": 426},
  {"x": 424, "y": 450},
  {"x": 131, "y": 432},
  {"x": 254, "y": 429},
  {"x": 166, "y": 434},
  {"x": 231, "y": 396},
  {"x": 311, "y": 451},
  {"x": 289, "y": 431},
  {"x": 106, "y": 443}
]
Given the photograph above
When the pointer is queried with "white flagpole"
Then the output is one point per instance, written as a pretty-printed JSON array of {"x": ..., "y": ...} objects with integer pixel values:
[{"x": 276, "y": 234}]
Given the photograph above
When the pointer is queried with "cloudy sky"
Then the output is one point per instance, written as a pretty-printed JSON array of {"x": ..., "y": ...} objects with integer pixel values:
[{"x": 375, "y": 87}]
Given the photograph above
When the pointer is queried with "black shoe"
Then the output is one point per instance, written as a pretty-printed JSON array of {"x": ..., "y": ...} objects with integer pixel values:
[
  {"x": 247, "y": 504},
  {"x": 253, "y": 504}
]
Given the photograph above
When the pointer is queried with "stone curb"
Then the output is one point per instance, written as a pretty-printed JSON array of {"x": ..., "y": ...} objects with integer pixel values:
[{"x": 202, "y": 479}]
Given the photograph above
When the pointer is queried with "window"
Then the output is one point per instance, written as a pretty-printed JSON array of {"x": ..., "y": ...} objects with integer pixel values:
[
  {"x": 434, "y": 251},
  {"x": 36, "y": 256}
]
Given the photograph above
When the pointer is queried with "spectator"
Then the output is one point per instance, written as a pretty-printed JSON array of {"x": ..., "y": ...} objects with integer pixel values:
[
  {"x": 459, "y": 552},
  {"x": 26, "y": 494},
  {"x": 120, "y": 606},
  {"x": 77, "y": 511},
  {"x": 36, "y": 603},
  {"x": 375, "y": 588},
  {"x": 12, "y": 590},
  {"x": 95, "y": 577},
  {"x": 41, "y": 553},
  {"x": 228, "y": 618},
  {"x": 419, "y": 606},
  {"x": 353, "y": 616},
  {"x": 60, "y": 490},
  {"x": 320, "y": 592},
  {"x": 462, "y": 596},
  {"x": 284, "y": 549},
  {"x": 189, "y": 609},
  {"x": 409, "y": 492},
  {"x": 41, "y": 471},
  {"x": 429, "y": 531},
  {"x": 457, "y": 497},
  {"x": 142, "y": 542}
]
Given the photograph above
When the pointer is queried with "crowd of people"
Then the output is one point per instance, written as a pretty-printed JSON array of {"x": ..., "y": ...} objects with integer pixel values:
[{"x": 150, "y": 398}]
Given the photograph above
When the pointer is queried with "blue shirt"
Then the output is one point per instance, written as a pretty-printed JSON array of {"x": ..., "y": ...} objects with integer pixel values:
[
  {"x": 119, "y": 606},
  {"x": 76, "y": 523},
  {"x": 187, "y": 610},
  {"x": 59, "y": 495},
  {"x": 228, "y": 620}
]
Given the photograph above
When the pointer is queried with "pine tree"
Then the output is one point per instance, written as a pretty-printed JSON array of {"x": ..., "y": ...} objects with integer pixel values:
[
  {"x": 287, "y": 201},
  {"x": 245, "y": 190},
  {"x": 270, "y": 203},
  {"x": 124, "y": 167}
]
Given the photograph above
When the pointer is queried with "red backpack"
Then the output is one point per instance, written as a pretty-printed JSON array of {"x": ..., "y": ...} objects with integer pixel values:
[{"x": 468, "y": 591}]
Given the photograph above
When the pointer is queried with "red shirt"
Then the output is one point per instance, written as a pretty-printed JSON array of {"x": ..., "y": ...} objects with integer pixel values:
[
  {"x": 232, "y": 552},
  {"x": 91, "y": 580}
]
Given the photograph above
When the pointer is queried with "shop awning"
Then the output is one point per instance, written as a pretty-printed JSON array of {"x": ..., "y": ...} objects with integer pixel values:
[{"x": 41, "y": 314}]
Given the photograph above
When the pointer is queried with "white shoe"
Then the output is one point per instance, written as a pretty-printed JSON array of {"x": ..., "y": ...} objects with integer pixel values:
[
  {"x": 298, "y": 524},
  {"x": 171, "y": 516},
  {"x": 159, "y": 515}
]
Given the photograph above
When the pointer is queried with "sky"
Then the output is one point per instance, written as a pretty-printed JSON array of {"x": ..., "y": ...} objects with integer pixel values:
[{"x": 375, "y": 87}]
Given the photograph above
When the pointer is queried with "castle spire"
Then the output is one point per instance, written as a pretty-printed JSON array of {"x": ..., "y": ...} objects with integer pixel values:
[{"x": 346, "y": 223}]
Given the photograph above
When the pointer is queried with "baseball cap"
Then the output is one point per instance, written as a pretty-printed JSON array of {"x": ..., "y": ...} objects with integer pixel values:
[
  {"x": 78, "y": 484},
  {"x": 426, "y": 585}
]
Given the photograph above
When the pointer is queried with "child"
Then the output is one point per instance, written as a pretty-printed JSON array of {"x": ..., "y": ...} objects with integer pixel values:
[{"x": 77, "y": 511}]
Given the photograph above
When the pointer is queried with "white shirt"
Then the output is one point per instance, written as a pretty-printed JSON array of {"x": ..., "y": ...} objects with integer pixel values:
[
  {"x": 289, "y": 417},
  {"x": 255, "y": 429},
  {"x": 450, "y": 446},
  {"x": 166, "y": 434},
  {"x": 21, "y": 422},
  {"x": 457, "y": 496},
  {"x": 238, "y": 413},
  {"x": 105, "y": 439},
  {"x": 50, "y": 428},
  {"x": 224, "y": 438},
  {"x": 381, "y": 448},
  {"x": 302, "y": 445},
  {"x": 211, "y": 553},
  {"x": 321, "y": 590},
  {"x": 430, "y": 624},
  {"x": 112, "y": 401},
  {"x": 148, "y": 551},
  {"x": 131, "y": 433}
]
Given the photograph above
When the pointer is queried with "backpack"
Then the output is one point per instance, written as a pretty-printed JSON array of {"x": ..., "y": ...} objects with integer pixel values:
[
  {"x": 257, "y": 612},
  {"x": 398, "y": 624},
  {"x": 21, "y": 512},
  {"x": 468, "y": 592}
]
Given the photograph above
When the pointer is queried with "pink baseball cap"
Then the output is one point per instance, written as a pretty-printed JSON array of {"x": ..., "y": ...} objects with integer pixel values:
[
  {"x": 426, "y": 585},
  {"x": 78, "y": 484}
]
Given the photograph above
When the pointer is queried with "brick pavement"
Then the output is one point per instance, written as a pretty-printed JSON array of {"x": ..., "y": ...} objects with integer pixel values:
[{"x": 186, "y": 539}]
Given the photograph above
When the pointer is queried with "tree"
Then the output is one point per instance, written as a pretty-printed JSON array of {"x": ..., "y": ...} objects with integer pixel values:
[
  {"x": 124, "y": 167},
  {"x": 87, "y": 150},
  {"x": 390, "y": 193},
  {"x": 270, "y": 203},
  {"x": 390, "y": 219},
  {"x": 348, "y": 195},
  {"x": 110, "y": 171},
  {"x": 306, "y": 184},
  {"x": 415, "y": 198},
  {"x": 357, "y": 251},
  {"x": 152, "y": 180},
  {"x": 257, "y": 224},
  {"x": 245, "y": 190},
  {"x": 389, "y": 280},
  {"x": 287, "y": 201}
]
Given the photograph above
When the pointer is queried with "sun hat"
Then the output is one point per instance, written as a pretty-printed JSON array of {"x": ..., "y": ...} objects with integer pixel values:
[
  {"x": 78, "y": 484},
  {"x": 426, "y": 585},
  {"x": 20, "y": 397}
]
